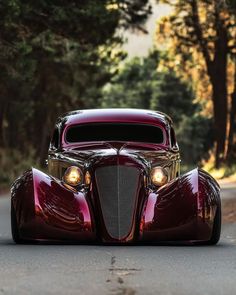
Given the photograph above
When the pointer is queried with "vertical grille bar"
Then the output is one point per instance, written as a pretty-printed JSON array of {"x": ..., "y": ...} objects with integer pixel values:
[{"x": 117, "y": 187}]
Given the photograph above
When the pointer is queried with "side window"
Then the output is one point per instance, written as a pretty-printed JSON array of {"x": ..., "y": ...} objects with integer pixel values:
[
  {"x": 172, "y": 138},
  {"x": 55, "y": 139}
]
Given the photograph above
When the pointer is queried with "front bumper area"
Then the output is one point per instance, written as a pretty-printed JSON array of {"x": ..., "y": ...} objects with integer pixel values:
[{"x": 182, "y": 210}]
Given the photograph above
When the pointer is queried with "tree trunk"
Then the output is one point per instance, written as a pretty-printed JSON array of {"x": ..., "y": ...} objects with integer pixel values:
[
  {"x": 220, "y": 116},
  {"x": 231, "y": 153},
  {"x": 218, "y": 76},
  {"x": 3, "y": 107},
  {"x": 3, "y": 129},
  {"x": 1, "y": 125}
]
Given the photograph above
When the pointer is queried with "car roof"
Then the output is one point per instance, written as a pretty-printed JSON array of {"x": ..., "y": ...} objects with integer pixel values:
[{"x": 115, "y": 116}]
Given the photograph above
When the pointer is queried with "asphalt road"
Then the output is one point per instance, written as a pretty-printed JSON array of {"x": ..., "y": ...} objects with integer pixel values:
[{"x": 75, "y": 269}]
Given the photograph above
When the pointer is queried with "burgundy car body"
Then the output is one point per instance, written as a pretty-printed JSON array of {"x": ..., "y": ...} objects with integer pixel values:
[{"x": 120, "y": 205}]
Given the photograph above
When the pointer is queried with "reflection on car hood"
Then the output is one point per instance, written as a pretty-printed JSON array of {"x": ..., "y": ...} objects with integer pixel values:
[{"x": 148, "y": 154}]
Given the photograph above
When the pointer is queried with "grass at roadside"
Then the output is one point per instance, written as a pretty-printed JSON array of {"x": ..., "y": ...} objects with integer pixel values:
[{"x": 226, "y": 173}]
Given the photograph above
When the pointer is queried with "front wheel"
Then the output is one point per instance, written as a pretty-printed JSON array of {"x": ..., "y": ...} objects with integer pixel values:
[
  {"x": 14, "y": 226},
  {"x": 216, "y": 227}
]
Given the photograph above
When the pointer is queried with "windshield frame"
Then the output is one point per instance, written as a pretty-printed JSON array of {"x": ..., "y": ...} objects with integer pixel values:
[{"x": 65, "y": 143}]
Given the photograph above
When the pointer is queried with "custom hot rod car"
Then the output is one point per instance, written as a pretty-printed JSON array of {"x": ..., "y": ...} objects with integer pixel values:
[{"x": 114, "y": 177}]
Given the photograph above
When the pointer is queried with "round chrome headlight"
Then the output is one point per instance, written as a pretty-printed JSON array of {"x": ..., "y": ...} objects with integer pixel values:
[
  {"x": 159, "y": 176},
  {"x": 73, "y": 176}
]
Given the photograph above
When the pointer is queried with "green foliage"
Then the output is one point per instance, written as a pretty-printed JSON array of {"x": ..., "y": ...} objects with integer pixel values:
[
  {"x": 194, "y": 134},
  {"x": 174, "y": 97},
  {"x": 56, "y": 56},
  {"x": 135, "y": 86},
  {"x": 231, "y": 4},
  {"x": 13, "y": 163}
]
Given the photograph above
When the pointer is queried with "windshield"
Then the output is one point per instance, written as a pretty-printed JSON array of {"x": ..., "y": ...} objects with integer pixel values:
[{"x": 129, "y": 132}]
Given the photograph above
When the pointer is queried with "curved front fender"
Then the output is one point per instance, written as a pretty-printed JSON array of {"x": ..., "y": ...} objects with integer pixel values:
[
  {"x": 184, "y": 209},
  {"x": 46, "y": 209}
]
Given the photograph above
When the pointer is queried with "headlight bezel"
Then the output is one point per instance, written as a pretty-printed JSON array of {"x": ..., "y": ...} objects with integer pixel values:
[
  {"x": 66, "y": 176},
  {"x": 161, "y": 179}
]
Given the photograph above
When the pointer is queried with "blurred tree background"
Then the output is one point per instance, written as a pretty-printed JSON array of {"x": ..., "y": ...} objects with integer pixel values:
[
  {"x": 57, "y": 56},
  {"x": 140, "y": 85},
  {"x": 201, "y": 36}
]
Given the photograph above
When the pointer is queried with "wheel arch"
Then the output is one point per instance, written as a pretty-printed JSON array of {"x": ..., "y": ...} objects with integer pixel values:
[{"x": 183, "y": 209}]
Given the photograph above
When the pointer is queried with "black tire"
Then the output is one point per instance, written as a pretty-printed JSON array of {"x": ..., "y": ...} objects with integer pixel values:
[
  {"x": 216, "y": 228},
  {"x": 14, "y": 227}
]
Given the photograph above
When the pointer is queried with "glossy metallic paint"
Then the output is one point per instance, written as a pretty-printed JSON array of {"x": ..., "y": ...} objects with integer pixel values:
[
  {"x": 184, "y": 209},
  {"x": 47, "y": 209}
]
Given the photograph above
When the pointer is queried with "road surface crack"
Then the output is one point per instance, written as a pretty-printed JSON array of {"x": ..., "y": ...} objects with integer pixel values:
[{"x": 117, "y": 275}]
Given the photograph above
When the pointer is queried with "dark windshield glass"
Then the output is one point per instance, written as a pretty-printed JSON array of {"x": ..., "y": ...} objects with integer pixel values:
[{"x": 115, "y": 132}]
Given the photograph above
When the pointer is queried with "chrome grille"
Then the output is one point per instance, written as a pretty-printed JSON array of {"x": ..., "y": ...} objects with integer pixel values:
[{"x": 117, "y": 186}]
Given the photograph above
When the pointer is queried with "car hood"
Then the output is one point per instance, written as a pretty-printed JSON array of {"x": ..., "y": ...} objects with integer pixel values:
[{"x": 90, "y": 153}]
